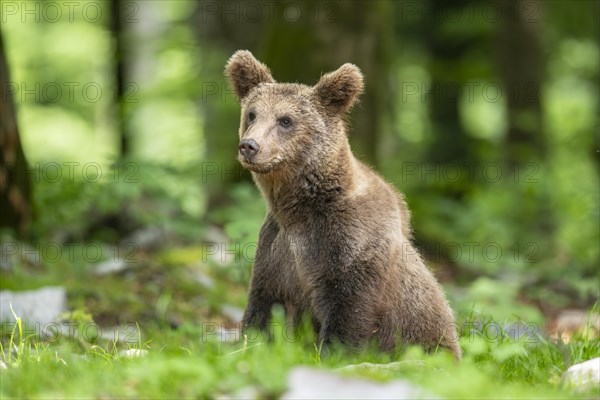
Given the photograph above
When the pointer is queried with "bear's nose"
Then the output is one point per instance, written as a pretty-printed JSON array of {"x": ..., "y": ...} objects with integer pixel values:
[{"x": 249, "y": 147}]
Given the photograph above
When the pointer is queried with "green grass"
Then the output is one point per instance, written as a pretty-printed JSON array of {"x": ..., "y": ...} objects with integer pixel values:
[
  {"x": 190, "y": 363},
  {"x": 166, "y": 313}
]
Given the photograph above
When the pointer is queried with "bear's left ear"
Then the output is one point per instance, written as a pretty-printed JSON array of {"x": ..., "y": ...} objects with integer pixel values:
[
  {"x": 245, "y": 72},
  {"x": 339, "y": 90}
]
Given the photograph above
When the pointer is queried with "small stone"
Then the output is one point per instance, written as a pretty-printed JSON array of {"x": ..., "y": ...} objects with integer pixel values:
[
  {"x": 144, "y": 239},
  {"x": 308, "y": 383},
  {"x": 203, "y": 279},
  {"x": 226, "y": 335},
  {"x": 215, "y": 235},
  {"x": 585, "y": 375},
  {"x": 41, "y": 306},
  {"x": 384, "y": 369},
  {"x": 110, "y": 267},
  {"x": 518, "y": 330},
  {"x": 245, "y": 393},
  {"x": 133, "y": 353},
  {"x": 233, "y": 313},
  {"x": 223, "y": 257},
  {"x": 569, "y": 322}
]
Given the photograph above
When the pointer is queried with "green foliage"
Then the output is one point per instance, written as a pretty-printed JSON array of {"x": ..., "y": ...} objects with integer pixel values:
[
  {"x": 180, "y": 365},
  {"x": 242, "y": 219},
  {"x": 542, "y": 214},
  {"x": 528, "y": 237},
  {"x": 136, "y": 193},
  {"x": 534, "y": 222}
]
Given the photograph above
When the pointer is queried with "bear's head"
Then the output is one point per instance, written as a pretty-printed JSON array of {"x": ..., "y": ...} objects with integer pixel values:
[{"x": 285, "y": 126}]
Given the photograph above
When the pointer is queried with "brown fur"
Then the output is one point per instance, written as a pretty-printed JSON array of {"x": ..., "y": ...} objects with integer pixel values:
[{"x": 336, "y": 238}]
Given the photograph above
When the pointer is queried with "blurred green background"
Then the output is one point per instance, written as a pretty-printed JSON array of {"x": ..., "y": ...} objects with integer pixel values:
[{"x": 485, "y": 114}]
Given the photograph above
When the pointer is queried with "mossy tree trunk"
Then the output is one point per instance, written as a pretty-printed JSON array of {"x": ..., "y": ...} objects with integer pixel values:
[
  {"x": 522, "y": 64},
  {"x": 15, "y": 185},
  {"x": 119, "y": 52},
  {"x": 450, "y": 142},
  {"x": 521, "y": 68}
]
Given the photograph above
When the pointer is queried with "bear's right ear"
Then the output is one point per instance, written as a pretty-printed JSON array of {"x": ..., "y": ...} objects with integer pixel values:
[{"x": 245, "y": 72}]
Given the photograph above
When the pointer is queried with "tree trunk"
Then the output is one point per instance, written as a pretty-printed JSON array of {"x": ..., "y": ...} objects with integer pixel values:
[
  {"x": 119, "y": 71},
  {"x": 521, "y": 67},
  {"x": 450, "y": 143},
  {"x": 15, "y": 185}
]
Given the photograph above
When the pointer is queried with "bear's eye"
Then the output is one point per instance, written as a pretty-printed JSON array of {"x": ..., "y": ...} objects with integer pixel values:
[
  {"x": 251, "y": 116},
  {"x": 286, "y": 122}
]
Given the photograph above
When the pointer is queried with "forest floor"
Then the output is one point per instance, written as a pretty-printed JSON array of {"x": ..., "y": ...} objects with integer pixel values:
[{"x": 166, "y": 326}]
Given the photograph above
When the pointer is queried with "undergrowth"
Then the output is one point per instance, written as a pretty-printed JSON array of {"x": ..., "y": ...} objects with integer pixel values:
[{"x": 191, "y": 362}]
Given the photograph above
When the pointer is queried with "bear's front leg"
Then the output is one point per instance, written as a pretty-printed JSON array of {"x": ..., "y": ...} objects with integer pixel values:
[
  {"x": 342, "y": 316},
  {"x": 258, "y": 311},
  {"x": 264, "y": 288}
]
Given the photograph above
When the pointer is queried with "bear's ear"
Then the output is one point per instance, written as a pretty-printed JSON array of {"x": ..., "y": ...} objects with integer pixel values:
[
  {"x": 246, "y": 72},
  {"x": 339, "y": 90}
]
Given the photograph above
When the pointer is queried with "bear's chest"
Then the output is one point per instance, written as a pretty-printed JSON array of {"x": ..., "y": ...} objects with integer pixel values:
[
  {"x": 299, "y": 245},
  {"x": 313, "y": 252},
  {"x": 307, "y": 257}
]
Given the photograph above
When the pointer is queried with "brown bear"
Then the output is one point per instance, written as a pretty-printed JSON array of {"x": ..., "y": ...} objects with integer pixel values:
[{"x": 336, "y": 240}]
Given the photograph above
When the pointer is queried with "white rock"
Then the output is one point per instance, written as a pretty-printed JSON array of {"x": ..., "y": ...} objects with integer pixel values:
[
  {"x": 226, "y": 335},
  {"x": 201, "y": 278},
  {"x": 234, "y": 313},
  {"x": 585, "y": 375},
  {"x": 3, "y": 365},
  {"x": 384, "y": 369},
  {"x": 577, "y": 319},
  {"x": 246, "y": 393},
  {"x": 41, "y": 306},
  {"x": 215, "y": 234},
  {"x": 143, "y": 239},
  {"x": 133, "y": 353},
  {"x": 223, "y": 256},
  {"x": 110, "y": 267},
  {"x": 308, "y": 383}
]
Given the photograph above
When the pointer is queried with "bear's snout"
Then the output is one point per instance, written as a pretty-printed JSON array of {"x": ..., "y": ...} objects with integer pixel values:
[{"x": 248, "y": 148}]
